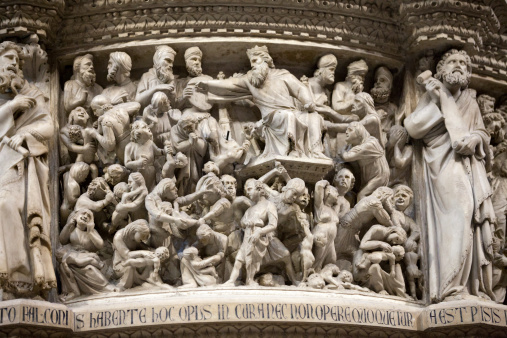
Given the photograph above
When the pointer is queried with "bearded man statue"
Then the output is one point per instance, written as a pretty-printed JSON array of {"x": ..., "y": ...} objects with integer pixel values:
[
  {"x": 80, "y": 90},
  {"x": 26, "y": 268}
]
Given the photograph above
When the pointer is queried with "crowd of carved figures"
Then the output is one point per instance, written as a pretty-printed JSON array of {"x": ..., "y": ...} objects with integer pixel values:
[{"x": 154, "y": 192}]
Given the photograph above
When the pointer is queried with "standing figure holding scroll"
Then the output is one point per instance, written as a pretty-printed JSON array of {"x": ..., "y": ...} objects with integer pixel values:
[{"x": 458, "y": 211}]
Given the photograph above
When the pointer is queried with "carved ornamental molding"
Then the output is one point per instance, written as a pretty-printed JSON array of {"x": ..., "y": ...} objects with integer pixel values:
[{"x": 395, "y": 28}]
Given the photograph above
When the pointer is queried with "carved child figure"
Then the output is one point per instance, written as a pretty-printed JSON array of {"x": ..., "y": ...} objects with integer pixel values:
[
  {"x": 151, "y": 263},
  {"x": 196, "y": 271}
]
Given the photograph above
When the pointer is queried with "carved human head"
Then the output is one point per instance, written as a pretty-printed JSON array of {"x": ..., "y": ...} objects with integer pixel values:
[
  {"x": 100, "y": 104},
  {"x": 261, "y": 62},
  {"x": 160, "y": 103},
  {"x": 259, "y": 191},
  {"x": 83, "y": 69},
  {"x": 115, "y": 173},
  {"x": 119, "y": 66},
  {"x": 230, "y": 185},
  {"x": 79, "y": 116},
  {"x": 81, "y": 219},
  {"x": 344, "y": 181},
  {"x": 136, "y": 180},
  {"x": 363, "y": 104},
  {"x": 383, "y": 85},
  {"x": 162, "y": 253},
  {"x": 167, "y": 189},
  {"x": 249, "y": 187},
  {"x": 399, "y": 252},
  {"x": 326, "y": 68},
  {"x": 180, "y": 160},
  {"x": 79, "y": 171},
  {"x": 486, "y": 104},
  {"x": 383, "y": 193},
  {"x": 396, "y": 236},
  {"x": 211, "y": 167},
  {"x": 140, "y": 132},
  {"x": 346, "y": 276},
  {"x": 97, "y": 188},
  {"x": 204, "y": 233},
  {"x": 193, "y": 57},
  {"x": 356, "y": 133},
  {"x": 455, "y": 68},
  {"x": 403, "y": 197},
  {"x": 163, "y": 61},
  {"x": 11, "y": 65},
  {"x": 75, "y": 134},
  {"x": 119, "y": 190},
  {"x": 138, "y": 231},
  {"x": 303, "y": 199},
  {"x": 294, "y": 188},
  {"x": 188, "y": 122},
  {"x": 356, "y": 71},
  {"x": 266, "y": 280},
  {"x": 494, "y": 123},
  {"x": 258, "y": 54}
]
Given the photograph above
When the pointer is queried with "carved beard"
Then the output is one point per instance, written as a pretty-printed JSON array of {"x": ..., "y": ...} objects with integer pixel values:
[
  {"x": 88, "y": 78},
  {"x": 231, "y": 192},
  {"x": 380, "y": 94},
  {"x": 194, "y": 70},
  {"x": 10, "y": 82},
  {"x": 455, "y": 77},
  {"x": 258, "y": 74},
  {"x": 165, "y": 75}
]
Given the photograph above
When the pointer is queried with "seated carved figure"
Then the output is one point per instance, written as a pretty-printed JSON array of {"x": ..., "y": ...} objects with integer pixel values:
[
  {"x": 196, "y": 271},
  {"x": 132, "y": 264},
  {"x": 80, "y": 266},
  {"x": 150, "y": 262},
  {"x": 379, "y": 244}
]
